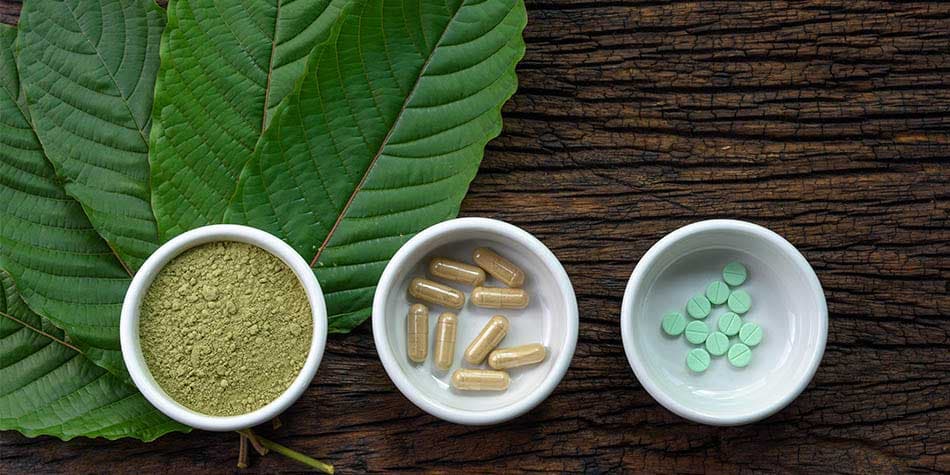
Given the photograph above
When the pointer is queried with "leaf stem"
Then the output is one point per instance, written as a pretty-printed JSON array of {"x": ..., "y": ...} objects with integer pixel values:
[
  {"x": 293, "y": 454},
  {"x": 242, "y": 453},
  {"x": 255, "y": 441}
]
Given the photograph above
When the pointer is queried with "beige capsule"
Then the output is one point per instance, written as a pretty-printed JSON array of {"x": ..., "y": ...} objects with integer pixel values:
[
  {"x": 504, "y": 358},
  {"x": 417, "y": 333},
  {"x": 490, "y": 336},
  {"x": 434, "y": 292},
  {"x": 500, "y": 297},
  {"x": 457, "y": 271},
  {"x": 443, "y": 350},
  {"x": 480, "y": 380},
  {"x": 499, "y": 267}
]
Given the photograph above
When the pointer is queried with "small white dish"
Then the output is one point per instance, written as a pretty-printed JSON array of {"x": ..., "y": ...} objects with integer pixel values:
[
  {"x": 129, "y": 326},
  {"x": 550, "y": 318},
  {"x": 787, "y": 302}
]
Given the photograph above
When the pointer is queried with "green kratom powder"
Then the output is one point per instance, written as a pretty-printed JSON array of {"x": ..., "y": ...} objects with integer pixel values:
[{"x": 225, "y": 328}]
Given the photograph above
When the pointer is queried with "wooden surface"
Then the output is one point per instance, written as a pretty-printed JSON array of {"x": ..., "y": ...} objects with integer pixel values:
[{"x": 828, "y": 122}]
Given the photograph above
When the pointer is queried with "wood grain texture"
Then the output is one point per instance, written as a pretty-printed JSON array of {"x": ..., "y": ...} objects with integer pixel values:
[{"x": 828, "y": 122}]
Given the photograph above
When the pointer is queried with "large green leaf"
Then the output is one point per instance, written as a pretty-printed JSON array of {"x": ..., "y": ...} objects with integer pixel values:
[
  {"x": 50, "y": 388},
  {"x": 225, "y": 67},
  {"x": 382, "y": 136},
  {"x": 88, "y": 68},
  {"x": 67, "y": 273}
]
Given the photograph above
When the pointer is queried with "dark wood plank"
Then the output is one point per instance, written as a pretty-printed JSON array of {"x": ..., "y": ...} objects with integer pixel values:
[{"x": 827, "y": 121}]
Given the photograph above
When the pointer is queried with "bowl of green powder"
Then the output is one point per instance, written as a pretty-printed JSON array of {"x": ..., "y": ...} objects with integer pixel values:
[{"x": 223, "y": 327}]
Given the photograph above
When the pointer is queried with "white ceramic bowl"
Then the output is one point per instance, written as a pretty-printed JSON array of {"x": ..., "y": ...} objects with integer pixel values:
[
  {"x": 787, "y": 301},
  {"x": 129, "y": 326},
  {"x": 550, "y": 318}
]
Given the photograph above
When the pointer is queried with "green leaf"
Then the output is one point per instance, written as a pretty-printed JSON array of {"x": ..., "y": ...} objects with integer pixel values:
[
  {"x": 67, "y": 272},
  {"x": 88, "y": 68},
  {"x": 225, "y": 67},
  {"x": 50, "y": 388},
  {"x": 381, "y": 137}
]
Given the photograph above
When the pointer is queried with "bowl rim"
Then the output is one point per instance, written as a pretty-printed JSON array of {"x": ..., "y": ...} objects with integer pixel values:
[
  {"x": 630, "y": 296},
  {"x": 465, "y": 416},
  {"x": 132, "y": 351}
]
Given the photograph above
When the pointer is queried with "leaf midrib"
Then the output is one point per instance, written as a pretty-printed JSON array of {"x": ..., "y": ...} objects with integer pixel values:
[
  {"x": 30, "y": 120},
  {"x": 389, "y": 133},
  {"x": 63, "y": 182},
  {"x": 267, "y": 89},
  {"x": 41, "y": 332}
]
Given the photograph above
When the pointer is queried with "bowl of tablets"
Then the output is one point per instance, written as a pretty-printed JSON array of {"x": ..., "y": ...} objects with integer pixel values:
[
  {"x": 724, "y": 322},
  {"x": 475, "y": 321}
]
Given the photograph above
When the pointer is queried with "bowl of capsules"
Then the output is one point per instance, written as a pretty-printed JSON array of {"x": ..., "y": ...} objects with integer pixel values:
[
  {"x": 475, "y": 321},
  {"x": 724, "y": 322}
]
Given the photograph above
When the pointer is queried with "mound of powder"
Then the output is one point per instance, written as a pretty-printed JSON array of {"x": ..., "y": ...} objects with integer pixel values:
[{"x": 225, "y": 328}]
